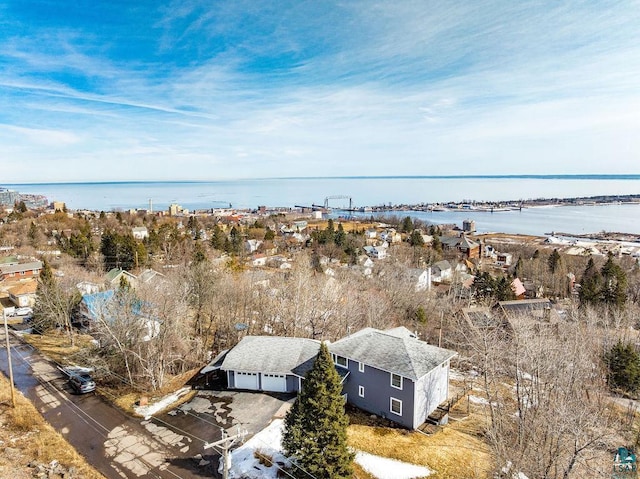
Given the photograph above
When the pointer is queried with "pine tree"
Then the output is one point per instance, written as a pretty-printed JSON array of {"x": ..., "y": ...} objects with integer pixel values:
[
  {"x": 590, "y": 284},
  {"x": 554, "y": 261},
  {"x": 416, "y": 239},
  {"x": 623, "y": 364},
  {"x": 614, "y": 290},
  {"x": 407, "y": 225},
  {"x": 315, "y": 434}
]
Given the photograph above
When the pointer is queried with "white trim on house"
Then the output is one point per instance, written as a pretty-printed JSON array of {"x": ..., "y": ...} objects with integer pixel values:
[
  {"x": 361, "y": 391},
  {"x": 398, "y": 404},
  {"x": 337, "y": 360},
  {"x": 394, "y": 375},
  {"x": 360, "y": 367}
]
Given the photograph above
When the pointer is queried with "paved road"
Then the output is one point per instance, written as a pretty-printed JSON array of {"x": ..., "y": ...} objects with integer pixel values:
[{"x": 117, "y": 445}]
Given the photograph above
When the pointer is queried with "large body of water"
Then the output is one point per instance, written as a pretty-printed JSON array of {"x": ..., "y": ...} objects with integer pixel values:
[{"x": 365, "y": 191}]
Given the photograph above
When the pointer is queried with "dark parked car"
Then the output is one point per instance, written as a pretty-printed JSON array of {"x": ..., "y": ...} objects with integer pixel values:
[{"x": 82, "y": 383}]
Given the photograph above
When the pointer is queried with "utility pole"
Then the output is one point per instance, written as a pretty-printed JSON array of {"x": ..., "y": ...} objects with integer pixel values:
[
  {"x": 6, "y": 335},
  {"x": 225, "y": 444}
]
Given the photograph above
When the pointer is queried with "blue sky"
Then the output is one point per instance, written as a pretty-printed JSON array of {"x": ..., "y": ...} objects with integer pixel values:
[{"x": 152, "y": 90}]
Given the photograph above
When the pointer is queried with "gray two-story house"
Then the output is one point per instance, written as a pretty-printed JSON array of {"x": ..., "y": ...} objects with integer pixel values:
[
  {"x": 389, "y": 373},
  {"x": 393, "y": 374}
]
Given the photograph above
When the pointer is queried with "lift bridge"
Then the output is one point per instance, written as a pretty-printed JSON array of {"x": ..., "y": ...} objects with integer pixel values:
[
  {"x": 338, "y": 197},
  {"x": 326, "y": 208}
]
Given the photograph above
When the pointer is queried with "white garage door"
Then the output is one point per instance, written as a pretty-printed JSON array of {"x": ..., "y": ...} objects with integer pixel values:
[
  {"x": 274, "y": 382},
  {"x": 246, "y": 380}
]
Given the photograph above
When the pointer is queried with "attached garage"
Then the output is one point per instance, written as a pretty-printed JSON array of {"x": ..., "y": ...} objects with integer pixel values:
[
  {"x": 274, "y": 383},
  {"x": 246, "y": 380}
]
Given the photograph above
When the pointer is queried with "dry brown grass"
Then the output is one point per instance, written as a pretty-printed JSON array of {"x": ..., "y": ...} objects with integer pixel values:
[
  {"x": 23, "y": 428},
  {"x": 56, "y": 345},
  {"x": 449, "y": 453},
  {"x": 359, "y": 473}
]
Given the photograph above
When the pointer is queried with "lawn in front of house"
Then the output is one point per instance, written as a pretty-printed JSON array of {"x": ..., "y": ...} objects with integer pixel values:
[{"x": 449, "y": 453}]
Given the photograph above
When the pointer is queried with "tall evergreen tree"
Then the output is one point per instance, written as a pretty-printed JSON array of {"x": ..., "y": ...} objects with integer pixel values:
[
  {"x": 614, "y": 287},
  {"x": 407, "y": 225},
  {"x": 623, "y": 364},
  {"x": 315, "y": 435},
  {"x": 416, "y": 239},
  {"x": 590, "y": 284},
  {"x": 554, "y": 261}
]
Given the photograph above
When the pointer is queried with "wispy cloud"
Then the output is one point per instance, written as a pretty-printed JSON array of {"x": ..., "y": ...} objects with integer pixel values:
[{"x": 238, "y": 89}]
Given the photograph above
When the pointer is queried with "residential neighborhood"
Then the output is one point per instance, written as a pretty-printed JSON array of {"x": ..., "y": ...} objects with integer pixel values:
[{"x": 430, "y": 328}]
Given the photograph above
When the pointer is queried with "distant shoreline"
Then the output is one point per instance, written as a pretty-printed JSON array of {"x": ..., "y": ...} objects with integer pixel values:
[{"x": 498, "y": 206}]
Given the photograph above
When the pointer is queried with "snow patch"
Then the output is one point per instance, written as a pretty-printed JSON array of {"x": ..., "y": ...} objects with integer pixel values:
[
  {"x": 165, "y": 402},
  {"x": 384, "y": 468}
]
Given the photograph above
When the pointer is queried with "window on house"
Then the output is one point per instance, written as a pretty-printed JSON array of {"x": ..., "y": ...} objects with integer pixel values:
[
  {"x": 341, "y": 361},
  {"x": 396, "y": 381},
  {"x": 361, "y": 367},
  {"x": 361, "y": 391},
  {"x": 396, "y": 406}
]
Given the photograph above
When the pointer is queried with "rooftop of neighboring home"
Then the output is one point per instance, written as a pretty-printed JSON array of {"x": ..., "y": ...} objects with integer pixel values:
[
  {"x": 16, "y": 268},
  {"x": 7, "y": 260},
  {"x": 28, "y": 287}
]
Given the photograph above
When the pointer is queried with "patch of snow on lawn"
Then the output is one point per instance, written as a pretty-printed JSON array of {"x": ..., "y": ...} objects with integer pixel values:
[
  {"x": 384, "y": 468},
  {"x": 165, "y": 402},
  {"x": 245, "y": 465}
]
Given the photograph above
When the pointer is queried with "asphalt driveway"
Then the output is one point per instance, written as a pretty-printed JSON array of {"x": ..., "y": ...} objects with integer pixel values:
[{"x": 251, "y": 411}]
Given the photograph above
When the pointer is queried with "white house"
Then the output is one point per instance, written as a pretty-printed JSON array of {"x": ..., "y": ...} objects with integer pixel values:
[
  {"x": 441, "y": 272},
  {"x": 140, "y": 232}
]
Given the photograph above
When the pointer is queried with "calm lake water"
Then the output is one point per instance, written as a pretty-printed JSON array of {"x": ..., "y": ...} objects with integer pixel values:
[{"x": 366, "y": 191}]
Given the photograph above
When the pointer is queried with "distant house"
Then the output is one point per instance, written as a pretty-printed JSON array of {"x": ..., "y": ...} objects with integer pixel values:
[
  {"x": 441, "y": 272},
  {"x": 114, "y": 276},
  {"x": 259, "y": 259},
  {"x": 468, "y": 248},
  {"x": 376, "y": 252},
  {"x": 24, "y": 295},
  {"x": 149, "y": 276},
  {"x": 252, "y": 245},
  {"x": 484, "y": 318},
  {"x": 105, "y": 307},
  {"x": 420, "y": 278},
  {"x": 86, "y": 287},
  {"x": 20, "y": 270},
  {"x": 540, "y": 309},
  {"x": 504, "y": 259},
  {"x": 389, "y": 373},
  {"x": 140, "y": 232},
  {"x": 371, "y": 234}
]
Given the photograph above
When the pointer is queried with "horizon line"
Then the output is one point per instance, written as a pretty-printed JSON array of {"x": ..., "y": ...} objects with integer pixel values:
[{"x": 616, "y": 176}]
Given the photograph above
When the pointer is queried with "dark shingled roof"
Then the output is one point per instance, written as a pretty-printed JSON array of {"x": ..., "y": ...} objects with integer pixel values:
[{"x": 392, "y": 352}]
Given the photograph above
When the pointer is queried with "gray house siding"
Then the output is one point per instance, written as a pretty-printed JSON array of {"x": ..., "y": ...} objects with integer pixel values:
[
  {"x": 292, "y": 383},
  {"x": 431, "y": 390},
  {"x": 378, "y": 393}
]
